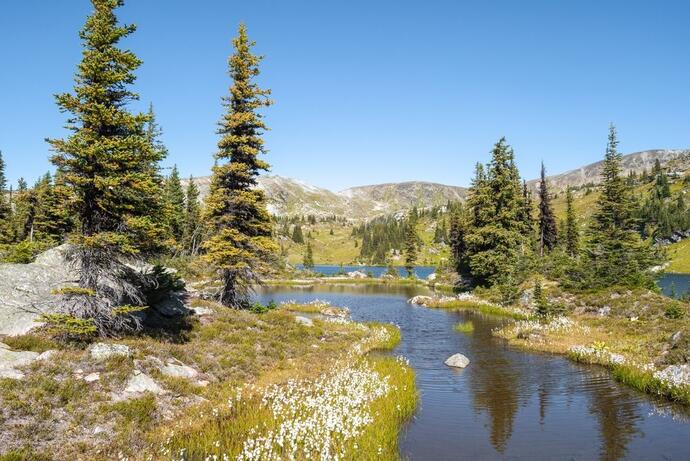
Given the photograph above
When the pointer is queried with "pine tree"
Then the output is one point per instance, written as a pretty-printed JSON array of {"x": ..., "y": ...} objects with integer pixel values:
[
  {"x": 526, "y": 213},
  {"x": 496, "y": 236},
  {"x": 175, "y": 204},
  {"x": 308, "y": 258},
  {"x": 109, "y": 163},
  {"x": 615, "y": 252},
  {"x": 572, "y": 235},
  {"x": 5, "y": 208},
  {"x": 547, "y": 220},
  {"x": 241, "y": 242},
  {"x": 457, "y": 240},
  {"x": 193, "y": 225},
  {"x": 297, "y": 235},
  {"x": 541, "y": 304},
  {"x": 411, "y": 244}
]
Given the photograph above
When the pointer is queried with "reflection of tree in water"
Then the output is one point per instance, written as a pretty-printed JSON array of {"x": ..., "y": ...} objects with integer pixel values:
[
  {"x": 618, "y": 416},
  {"x": 494, "y": 387}
]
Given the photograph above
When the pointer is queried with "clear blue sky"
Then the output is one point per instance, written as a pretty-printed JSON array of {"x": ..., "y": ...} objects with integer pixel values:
[{"x": 374, "y": 91}]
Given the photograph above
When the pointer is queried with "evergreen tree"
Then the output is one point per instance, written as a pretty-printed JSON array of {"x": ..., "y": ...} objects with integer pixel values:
[
  {"x": 615, "y": 252},
  {"x": 572, "y": 235},
  {"x": 175, "y": 204},
  {"x": 107, "y": 161},
  {"x": 308, "y": 258},
  {"x": 541, "y": 304},
  {"x": 193, "y": 225},
  {"x": 547, "y": 220},
  {"x": 241, "y": 242},
  {"x": 457, "y": 240},
  {"x": 297, "y": 235},
  {"x": 496, "y": 237},
  {"x": 5, "y": 208},
  {"x": 411, "y": 244},
  {"x": 526, "y": 213}
]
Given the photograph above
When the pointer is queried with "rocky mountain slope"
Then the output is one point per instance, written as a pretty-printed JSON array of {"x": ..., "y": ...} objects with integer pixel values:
[
  {"x": 291, "y": 197},
  {"x": 675, "y": 160}
]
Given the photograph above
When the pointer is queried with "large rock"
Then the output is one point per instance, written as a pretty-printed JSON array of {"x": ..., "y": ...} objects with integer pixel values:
[
  {"x": 177, "y": 369},
  {"x": 457, "y": 361},
  {"x": 306, "y": 321},
  {"x": 103, "y": 351},
  {"x": 139, "y": 383},
  {"x": 357, "y": 275},
  {"x": 11, "y": 360},
  {"x": 25, "y": 289}
]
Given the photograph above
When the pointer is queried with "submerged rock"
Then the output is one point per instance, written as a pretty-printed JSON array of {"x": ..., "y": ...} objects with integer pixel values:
[
  {"x": 103, "y": 351},
  {"x": 457, "y": 361}
]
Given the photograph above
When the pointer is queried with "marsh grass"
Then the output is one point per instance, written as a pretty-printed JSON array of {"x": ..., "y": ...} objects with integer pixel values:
[
  {"x": 464, "y": 327},
  {"x": 244, "y": 421},
  {"x": 483, "y": 307}
]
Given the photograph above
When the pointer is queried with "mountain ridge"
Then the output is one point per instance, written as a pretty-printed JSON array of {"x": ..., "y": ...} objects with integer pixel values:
[{"x": 293, "y": 197}]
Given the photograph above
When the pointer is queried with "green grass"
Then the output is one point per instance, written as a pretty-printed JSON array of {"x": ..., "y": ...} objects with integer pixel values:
[
  {"x": 679, "y": 257},
  {"x": 488, "y": 309},
  {"x": 464, "y": 327},
  {"x": 221, "y": 427},
  {"x": 31, "y": 342}
]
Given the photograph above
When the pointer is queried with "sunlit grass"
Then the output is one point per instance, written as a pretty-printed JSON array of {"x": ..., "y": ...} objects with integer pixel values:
[
  {"x": 352, "y": 411},
  {"x": 464, "y": 327}
]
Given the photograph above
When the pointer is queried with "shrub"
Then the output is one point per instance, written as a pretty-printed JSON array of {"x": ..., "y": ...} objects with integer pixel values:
[
  {"x": 675, "y": 311},
  {"x": 259, "y": 308},
  {"x": 68, "y": 327}
]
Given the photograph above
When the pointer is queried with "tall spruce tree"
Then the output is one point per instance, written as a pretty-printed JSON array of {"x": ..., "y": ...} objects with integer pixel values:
[
  {"x": 108, "y": 161},
  {"x": 5, "y": 208},
  {"x": 193, "y": 224},
  {"x": 547, "y": 219},
  {"x": 572, "y": 236},
  {"x": 496, "y": 237},
  {"x": 615, "y": 252},
  {"x": 241, "y": 243},
  {"x": 175, "y": 204},
  {"x": 456, "y": 237},
  {"x": 411, "y": 244},
  {"x": 308, "y": 261}
]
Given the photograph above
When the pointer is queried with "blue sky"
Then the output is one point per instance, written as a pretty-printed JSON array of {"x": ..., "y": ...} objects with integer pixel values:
[{"x": 374, "y": 91}]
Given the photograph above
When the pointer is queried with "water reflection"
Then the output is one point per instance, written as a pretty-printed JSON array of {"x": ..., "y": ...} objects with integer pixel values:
[{"x": 508, "y": 404}]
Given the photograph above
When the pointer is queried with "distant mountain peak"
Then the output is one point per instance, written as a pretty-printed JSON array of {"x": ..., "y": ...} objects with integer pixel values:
[{"x": 293, "y": 197}]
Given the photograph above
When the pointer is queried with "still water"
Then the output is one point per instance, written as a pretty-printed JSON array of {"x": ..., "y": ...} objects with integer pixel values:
[{"x": 507, "y": 404}]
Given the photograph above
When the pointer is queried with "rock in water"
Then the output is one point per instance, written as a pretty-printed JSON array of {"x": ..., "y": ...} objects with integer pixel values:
[{"x": 457, "y": 361}]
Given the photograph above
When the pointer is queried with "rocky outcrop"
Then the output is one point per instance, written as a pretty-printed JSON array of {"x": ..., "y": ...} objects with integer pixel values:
[
  {"x": 357, "y": 275},
  {"x": 11, "y": 361},
  {"x": 25, "y": 289},
  {"x": 104, "y": 351},
  {"x": 138, "y": 384},
  {"x": 457, "y": 361}
]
